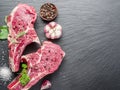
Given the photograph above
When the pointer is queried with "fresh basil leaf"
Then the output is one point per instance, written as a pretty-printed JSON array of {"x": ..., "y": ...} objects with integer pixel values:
[
  {"x": 3, "y": 32},
  {"x": 4, "y": 27}
]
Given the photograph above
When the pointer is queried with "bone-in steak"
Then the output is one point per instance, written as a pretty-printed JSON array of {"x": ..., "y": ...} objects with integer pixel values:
[
  {"x": 41, "y": 63},
  {"x": 21, "y": 32}
]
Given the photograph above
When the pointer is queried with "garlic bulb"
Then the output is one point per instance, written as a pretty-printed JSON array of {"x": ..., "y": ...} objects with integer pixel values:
[{"x": 53, "y": 30}]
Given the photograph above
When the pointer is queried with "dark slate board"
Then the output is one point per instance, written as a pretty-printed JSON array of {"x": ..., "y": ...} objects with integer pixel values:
[{"x": 91, "y": 40}]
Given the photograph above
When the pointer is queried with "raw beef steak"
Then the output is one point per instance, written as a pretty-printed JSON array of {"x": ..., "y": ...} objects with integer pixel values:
[
  {"x": 41, "y": 63},
  {"x": 21, "y": 32}
]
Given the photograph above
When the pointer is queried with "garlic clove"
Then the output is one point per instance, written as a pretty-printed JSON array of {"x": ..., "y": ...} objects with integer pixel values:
[
  {"x": 53, "y": 36},
  {"x": 58, "y": 33},
  {"x": 58, "y": 27},
  {"x": 46, "y": 85},
  {"x": 47, "y": 28},
  {"x": 52, "y": 24}
]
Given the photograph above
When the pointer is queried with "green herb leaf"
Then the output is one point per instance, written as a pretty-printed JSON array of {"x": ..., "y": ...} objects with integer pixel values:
[
  {"x": 24, "y": 66},
  {"x": 20, "y": 34},
  {"x": 3, "y": 27},
  {"x": 3, "y": 32},
  {"x": 24, "y": 79},
  {"x": 13, "y": 41},
  {"x": 24, "y": 71}
]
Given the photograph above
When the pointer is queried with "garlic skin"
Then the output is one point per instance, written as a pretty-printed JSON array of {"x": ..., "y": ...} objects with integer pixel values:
[{"x": 53, "y": 30}]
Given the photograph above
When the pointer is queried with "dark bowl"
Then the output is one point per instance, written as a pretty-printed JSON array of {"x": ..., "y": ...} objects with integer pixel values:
[{"x": 55, "y": 14}]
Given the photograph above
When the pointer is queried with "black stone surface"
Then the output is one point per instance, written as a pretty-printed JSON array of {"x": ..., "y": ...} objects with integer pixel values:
[{"x": 91, "y": 40}]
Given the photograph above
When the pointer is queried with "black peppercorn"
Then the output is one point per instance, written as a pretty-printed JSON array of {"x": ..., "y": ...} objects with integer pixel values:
[{"x": 48, "y": 12}]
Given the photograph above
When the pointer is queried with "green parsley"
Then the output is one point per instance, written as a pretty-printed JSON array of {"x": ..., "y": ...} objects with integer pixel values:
[
  {"x": 24, "y": 66},
  {"x": 3, "y": 32},
  {"x": 24, "y": 79}
]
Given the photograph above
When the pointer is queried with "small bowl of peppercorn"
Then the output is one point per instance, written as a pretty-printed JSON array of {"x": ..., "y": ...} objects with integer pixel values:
[{"x": 48, "y": 12}]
